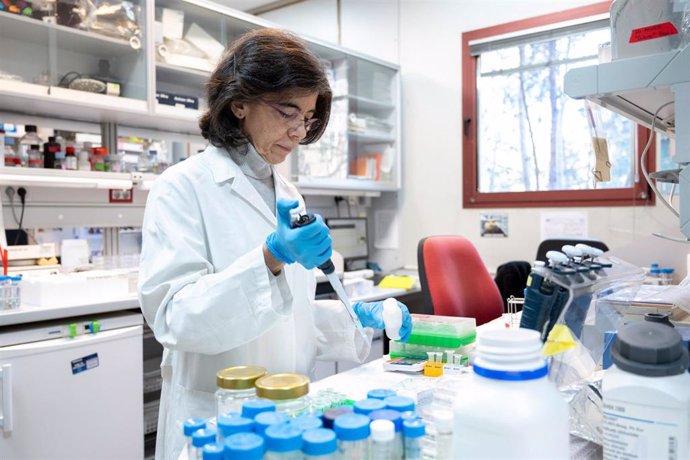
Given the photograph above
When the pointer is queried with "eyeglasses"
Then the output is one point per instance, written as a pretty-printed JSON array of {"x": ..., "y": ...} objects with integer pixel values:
[{"x": 293, "y": 120}]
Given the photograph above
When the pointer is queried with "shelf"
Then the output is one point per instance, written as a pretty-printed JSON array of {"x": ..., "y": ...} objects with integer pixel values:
[
  {"x": 68, "y": 38},
  {"x": 364, "y": 104},
  {"x": 179, "y": 113},
  {"x": 61, "y": 178},
  {"x": 317, "y": 185},
  {"x": 172, "y": 73},
  {"x": 371, "y": 138}
]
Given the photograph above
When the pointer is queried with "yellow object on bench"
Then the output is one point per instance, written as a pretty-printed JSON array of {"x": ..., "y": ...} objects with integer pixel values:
[{"x": 397, "y": 282}]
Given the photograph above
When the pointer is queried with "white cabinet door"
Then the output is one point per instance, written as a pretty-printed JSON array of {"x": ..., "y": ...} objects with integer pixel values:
[{"x": 79, "y": 398}]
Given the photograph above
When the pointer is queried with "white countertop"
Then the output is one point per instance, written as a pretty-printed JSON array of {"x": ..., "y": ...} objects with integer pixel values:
[{"x": 25, "y": 314}]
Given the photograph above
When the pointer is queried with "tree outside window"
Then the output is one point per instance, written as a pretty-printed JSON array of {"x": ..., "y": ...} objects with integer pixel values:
[{"x": 526, "y": 143}]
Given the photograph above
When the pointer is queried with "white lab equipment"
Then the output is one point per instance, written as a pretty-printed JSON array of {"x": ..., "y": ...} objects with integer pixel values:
[
  {"x": 509, "y": 388},
  {"x": 392, "y": 318},
  {"x": 235, "y": 386},
  {"x": 645, "y": 394},
  {"x": 651, "y": 89},
  {"x": 82, "y": 377}
]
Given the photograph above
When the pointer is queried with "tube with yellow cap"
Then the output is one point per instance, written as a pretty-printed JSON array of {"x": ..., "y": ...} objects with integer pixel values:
[{"x": 287, "y": 391}]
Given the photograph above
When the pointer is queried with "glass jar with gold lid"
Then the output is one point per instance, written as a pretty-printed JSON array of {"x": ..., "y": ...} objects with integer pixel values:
[
  {"x": 287, "y": 391},
  {"x": 235, "y": 386}
]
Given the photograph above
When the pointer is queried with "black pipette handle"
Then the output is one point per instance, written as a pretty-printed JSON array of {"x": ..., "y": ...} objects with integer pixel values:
[{"x": 305, "y": 219}]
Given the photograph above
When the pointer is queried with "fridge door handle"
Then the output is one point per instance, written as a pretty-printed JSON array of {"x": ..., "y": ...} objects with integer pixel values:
[{"x": 6, "y": 379}]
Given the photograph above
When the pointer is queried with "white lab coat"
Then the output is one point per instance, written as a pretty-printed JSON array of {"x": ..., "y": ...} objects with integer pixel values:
[{"x": 211, "y": 301}]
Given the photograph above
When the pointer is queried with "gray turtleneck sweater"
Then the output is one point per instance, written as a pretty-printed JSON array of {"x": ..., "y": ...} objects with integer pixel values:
[{"x": 259, "y": 173}]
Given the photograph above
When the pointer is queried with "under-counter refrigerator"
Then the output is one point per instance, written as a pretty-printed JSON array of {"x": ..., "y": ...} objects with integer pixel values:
[{"x": 72, "y": 389}]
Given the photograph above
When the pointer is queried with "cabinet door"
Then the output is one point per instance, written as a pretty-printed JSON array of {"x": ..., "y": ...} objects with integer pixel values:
[{"x": 360, "y": 148}]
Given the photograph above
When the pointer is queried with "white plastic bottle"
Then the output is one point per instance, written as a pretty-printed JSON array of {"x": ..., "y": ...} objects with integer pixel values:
[
  {"x": 509, "y": 409},
  {"x": 647, "y": 394},
  {"x": 382, "y": 437},
  {"x": 392, "y": 318}
]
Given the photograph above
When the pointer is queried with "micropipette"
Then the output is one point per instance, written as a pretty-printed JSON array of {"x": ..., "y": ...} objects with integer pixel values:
[{"x": 300, "y": 220}]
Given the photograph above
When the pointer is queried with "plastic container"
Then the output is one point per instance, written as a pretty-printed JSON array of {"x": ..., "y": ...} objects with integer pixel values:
[
  {"x": 666, "y": 276},
  {"x": 352, "y": 431},
  {"x": 213, "y": 451},
  {"x": 392, "y": 318},
  {"x": 382, "y": 439},
  {"x": 253, "y": 407},
  {"x": 245, "y": 446},
  {"x": 508, "y": 389},
  {"x": 70, "y": 159},
  {"x": 235, "y": 386},
  {"x": 413, "y": 432},
  {"x": 232, "y": 424},
  {"x": 287, "y": 391},
  {"x": 367, "y": 406},
  {"x": 399, "y": 403},
  {"x": 394, "y": 417},
  {"x": 188, "y": 428},
  {"x": 267, "y": 419},
  {"x": 35, "y": 156},
  {"x": 645, "y": 393},
  {"x": 50, "y": 150},
  {"x": 380, "y": 393},
  {"x": 319, "y": 444},
  {"x": 307, "y": 422},
  {"x": 200, "y": 438},
  {"x": 283, "y": 442},
  {"x": 443, "y": 424},
  {"x": 448, "y": 332},
  {"x": 330, "y": 415}
]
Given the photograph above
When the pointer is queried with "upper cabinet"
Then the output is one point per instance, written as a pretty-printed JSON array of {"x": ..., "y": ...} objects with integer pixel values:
[{"x": 144, "y": 64}]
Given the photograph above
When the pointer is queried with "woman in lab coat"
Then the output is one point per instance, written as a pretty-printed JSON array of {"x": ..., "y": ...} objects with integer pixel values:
[{"x": 217, "y": 282}]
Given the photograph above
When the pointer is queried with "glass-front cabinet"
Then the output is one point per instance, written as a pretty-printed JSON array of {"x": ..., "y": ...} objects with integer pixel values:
[{"x": 144, "y": 64}]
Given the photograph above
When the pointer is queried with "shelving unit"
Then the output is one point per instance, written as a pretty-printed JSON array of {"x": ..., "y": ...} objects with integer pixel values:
[{"x": 363, "y": 86}]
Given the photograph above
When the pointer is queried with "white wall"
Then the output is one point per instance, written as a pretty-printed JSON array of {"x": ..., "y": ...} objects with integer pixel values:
[{"x": 429, "y": 54}]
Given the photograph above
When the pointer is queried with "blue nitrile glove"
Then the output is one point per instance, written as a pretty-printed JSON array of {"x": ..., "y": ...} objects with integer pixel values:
[
  {"x": 309, "y": 245},
  {"x": 370, "y": 314}
]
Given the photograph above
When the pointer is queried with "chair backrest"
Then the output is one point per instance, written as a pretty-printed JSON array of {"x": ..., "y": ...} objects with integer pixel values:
[
  {"x": 555, "y": 244},
  {"x": 455, "y": 281}
]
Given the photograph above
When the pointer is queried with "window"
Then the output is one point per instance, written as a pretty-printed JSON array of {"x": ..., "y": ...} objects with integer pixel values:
[{"x": 526, "y": 143}]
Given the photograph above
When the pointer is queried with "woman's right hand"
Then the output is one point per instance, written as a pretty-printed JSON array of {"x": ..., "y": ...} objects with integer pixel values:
[{"x": 310, "y": 245}]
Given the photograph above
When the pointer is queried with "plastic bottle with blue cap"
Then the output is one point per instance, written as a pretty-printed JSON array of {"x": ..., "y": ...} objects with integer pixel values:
[
  {"x": 231, "y": 424},
  {"x": 252, "y": 408},
  {"x": 319, "y": 444},
  {"x": 244, "y": 446},
  {"x": 189, "y": 426},
  {"x": 413, "y": 432},
  {"x": 380, "y": 393},
  {"x": 382, "y": 440},
  {"x": 267, "y": 419},
  {"x": 394, "y": 417},
  {"x": 367, "y": 406},
  {"x": 399, "y": 403},
  {"x": 200, "y": 438},
  {"x": 307, "y": 422},
  {"x": 353, "y": 432},
  {"x": 509, "y": 388},
  {"x": 283, "y": 442},
  {"x": 213, "y": 451},
  {"x": 328, "y": 417}
]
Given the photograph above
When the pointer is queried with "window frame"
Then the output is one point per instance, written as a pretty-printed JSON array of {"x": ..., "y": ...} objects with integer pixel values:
[{"x": 639, "y": 194}]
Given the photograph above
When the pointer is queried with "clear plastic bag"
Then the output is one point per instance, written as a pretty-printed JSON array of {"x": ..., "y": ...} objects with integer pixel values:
[{"x": 118, "y": 19}]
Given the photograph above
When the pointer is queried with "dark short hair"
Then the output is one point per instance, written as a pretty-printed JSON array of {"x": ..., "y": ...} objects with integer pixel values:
[{"x": 259, "y": 63}]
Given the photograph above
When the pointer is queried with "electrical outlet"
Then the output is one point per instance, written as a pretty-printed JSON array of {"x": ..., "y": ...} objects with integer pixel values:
[{"x": 120, "y": 196}]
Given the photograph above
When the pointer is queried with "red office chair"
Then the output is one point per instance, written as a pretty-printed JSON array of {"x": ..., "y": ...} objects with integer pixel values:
[{"x": 455, "y": 281}]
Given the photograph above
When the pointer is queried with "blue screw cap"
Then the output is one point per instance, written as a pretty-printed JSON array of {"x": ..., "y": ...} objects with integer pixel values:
[
  {"x": 388, "y": 414},
  {"x": 307, "y": 422},
  {"x": 321, "y": 441},
  {"x": 399, "y": 403},
  {"x": 213, "y": 451},
  {"x": 251, "y": 409},
  {"x": 191, "y": 425},
  {"x": 352, "y": 427},
  {"x": 266, "y": 419},
  {"x": 367, "y": 406},
  {"x": 413, "y": 428},
  {"x": 331, "y": 414},
  {"x": 204, "y": 436},
  {"x": 283, "y": 438},
  {"x": 229, "y": 425},
  {"x": 244, "y": 446},
  {"x": 380, "y": 393}
]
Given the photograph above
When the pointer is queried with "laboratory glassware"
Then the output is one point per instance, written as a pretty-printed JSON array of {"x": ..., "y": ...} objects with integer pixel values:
[
  {"x": 283, "y": 442},
  {"x": 353, "y": 432},
  {"x": 235, "y": 386},
  {"x": 413, "y": 431},
  {"x": 319, "y": 444},
  {"x": 287, "y": 391},
  {"x": 382, "y": 439}
]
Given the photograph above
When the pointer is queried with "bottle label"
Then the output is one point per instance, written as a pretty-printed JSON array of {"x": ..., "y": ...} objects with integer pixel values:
[{"x": 644, "y": 431}]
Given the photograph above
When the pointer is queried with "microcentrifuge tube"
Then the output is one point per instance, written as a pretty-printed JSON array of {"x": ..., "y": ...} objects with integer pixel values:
[{"x": 431, "y": 356}]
